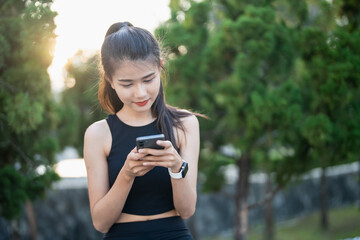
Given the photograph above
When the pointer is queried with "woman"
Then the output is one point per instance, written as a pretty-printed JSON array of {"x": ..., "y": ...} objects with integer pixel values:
[{"x": 142, "y": 194}]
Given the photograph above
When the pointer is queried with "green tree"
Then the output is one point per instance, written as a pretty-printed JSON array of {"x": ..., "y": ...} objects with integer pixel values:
[
  {"x": 79, "y": 105},
  {"x": 350, "y": 22},
  {"x": 240, "y": 71},
  {"x": 257, "y": 92},
  {"x": 271, "y": 75},
  {"x": 27, "y": 109},
  {"x": 330, "y": 88}
]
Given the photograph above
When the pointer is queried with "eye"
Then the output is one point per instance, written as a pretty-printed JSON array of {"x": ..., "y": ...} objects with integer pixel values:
[
  {"x": 127, "y": 85},
  {"x": 148, "y": 80}
]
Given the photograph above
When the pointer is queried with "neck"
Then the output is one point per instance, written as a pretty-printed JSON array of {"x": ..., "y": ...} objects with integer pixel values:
[{"x": 135, "y": 118}]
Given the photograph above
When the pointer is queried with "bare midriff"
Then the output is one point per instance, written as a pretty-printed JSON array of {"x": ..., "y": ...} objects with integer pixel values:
[{"x": 125, "y": 217}]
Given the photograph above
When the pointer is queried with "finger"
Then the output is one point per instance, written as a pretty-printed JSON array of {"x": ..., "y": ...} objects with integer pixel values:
[
  {"x": 134, "y": 150},
  {"x": 150, "y": 151},
  {"x": 134, "y": 155},
  {"x": 168, "y": 149},
  {"x": 142, "y": 170},
  {"x": 132, "y": 165},
  {"x": 165, "y": 164},
  {"x": 153, "y": 158},
  {"x": 166, "y": 144}
]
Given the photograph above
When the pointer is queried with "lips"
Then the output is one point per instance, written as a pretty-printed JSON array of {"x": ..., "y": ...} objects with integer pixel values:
[{"x": 143, "y": 103}]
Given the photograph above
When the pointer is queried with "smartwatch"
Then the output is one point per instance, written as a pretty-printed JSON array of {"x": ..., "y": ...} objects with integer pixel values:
[{"x": 183, "y": 170}]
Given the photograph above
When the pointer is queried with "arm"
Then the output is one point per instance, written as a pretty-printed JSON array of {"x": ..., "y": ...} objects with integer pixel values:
[
  {"x": 184, "y": 190},
  {"x": 106, "y": 203}
]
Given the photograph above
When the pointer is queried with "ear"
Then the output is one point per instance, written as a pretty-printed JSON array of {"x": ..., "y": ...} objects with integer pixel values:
[{"x": 161, "y": 63}]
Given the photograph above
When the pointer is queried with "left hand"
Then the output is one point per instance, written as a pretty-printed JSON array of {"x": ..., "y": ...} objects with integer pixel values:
[{"x": 167, "y": 157}]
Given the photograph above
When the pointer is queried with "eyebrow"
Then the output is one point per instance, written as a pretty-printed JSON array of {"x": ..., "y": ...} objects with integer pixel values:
[{"x": 129, "y": 80}]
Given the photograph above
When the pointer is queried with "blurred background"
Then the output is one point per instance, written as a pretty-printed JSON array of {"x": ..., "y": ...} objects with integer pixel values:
[{"x": 279, "y": 80}]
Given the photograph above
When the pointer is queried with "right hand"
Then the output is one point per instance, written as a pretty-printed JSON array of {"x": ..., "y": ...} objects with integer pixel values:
[{"x": 133, "y": 166}]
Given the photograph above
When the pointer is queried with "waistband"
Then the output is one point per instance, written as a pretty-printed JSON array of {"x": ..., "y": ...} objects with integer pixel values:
[{"x": 169, "y": 224}]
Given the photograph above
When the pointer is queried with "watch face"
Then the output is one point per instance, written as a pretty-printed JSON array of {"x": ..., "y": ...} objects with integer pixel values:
[{"x": 184, "y": 169}]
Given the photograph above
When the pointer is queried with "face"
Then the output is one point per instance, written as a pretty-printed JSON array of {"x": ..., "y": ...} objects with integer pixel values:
[{"x": 137, "y": 84}]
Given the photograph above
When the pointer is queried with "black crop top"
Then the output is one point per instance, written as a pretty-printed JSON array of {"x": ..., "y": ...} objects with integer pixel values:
[{"x": 150, "y": 194}]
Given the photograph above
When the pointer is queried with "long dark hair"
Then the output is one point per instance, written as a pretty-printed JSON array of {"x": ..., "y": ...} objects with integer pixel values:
[{"x": 124, "y": 42}]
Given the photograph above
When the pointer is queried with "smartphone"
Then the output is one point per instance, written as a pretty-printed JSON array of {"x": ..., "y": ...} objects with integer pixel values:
[{"x": 149, "y": 141}]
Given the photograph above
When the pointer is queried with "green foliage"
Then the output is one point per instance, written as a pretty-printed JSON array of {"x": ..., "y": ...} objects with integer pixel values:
[
  {"x": 79, "y": 106},
  {"x": 184, "y": 39},
  {"x": 213, "y": 168},
  {"x": 279, "y": 79},
  {"x": 40, "y": 182},
  {"x": 317, "y": 130},
  {"x": 257, "y": 92},
  {"x": 16, "y": 188},
  {"x": 332, "y": 84},
  {"x": 271, "y": 75},
  {"x": 27, "y": 108},
  {"x": 13, "y": 192},
  {"x": 238, "y": 72},
  {"x": 349, "y": 12}
]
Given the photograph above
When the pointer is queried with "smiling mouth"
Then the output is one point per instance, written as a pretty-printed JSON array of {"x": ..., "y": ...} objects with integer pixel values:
[{"x": 143, "y": 103}]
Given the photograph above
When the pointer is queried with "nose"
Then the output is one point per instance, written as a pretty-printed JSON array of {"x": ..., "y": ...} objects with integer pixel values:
[{"x": 140, "y": 90}]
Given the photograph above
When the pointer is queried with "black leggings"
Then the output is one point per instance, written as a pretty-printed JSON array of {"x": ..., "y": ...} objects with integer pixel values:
[{"x": 171, "y": 228}]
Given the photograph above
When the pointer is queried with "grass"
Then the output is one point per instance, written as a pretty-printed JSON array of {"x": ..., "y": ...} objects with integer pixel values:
[{"x": 343, "y": 223}]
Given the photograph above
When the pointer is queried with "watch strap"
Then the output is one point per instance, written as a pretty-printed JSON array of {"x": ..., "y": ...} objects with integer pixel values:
[{"x": 182, "y": 173}]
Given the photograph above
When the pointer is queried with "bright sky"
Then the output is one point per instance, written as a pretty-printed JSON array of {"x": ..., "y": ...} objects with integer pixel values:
[{"x": 82, "y": 24}]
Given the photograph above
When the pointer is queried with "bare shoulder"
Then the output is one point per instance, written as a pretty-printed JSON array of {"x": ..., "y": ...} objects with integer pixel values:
[
  {"x": 190, "y": 122},
  {"x": 98, "y": 135},
  {"x": 99, "y": 129}
]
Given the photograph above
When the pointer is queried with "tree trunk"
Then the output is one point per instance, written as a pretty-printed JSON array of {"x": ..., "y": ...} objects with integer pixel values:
[
  {"x": 241, "y": 215},
  {"x": 15, "y": 229},
  {"x": 323, "y": 202},
  {"x": 30, "y": 214},
  {"x": 269, "y": 218}
]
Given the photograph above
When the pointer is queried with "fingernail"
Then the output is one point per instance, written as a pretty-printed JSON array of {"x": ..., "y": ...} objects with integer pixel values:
[{"x": 144, "y": 164}]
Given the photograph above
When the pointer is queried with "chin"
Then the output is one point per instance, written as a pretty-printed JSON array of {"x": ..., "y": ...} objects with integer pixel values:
[{"x": 142, "y": 109}]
